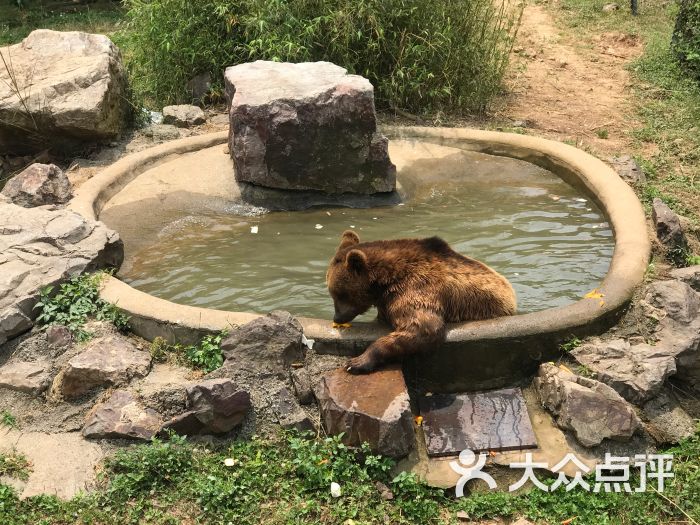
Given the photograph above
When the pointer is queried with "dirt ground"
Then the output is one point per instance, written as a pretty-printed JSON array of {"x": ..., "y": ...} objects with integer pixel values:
[{"x": 566, "y": 94}]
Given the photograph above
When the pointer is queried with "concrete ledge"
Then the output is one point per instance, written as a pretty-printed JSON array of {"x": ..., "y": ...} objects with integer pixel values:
[{"x": 477, "y": 354}]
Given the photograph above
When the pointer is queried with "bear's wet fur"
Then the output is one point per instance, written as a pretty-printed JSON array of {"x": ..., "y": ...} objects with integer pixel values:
[{"x": 417, "y": 285}]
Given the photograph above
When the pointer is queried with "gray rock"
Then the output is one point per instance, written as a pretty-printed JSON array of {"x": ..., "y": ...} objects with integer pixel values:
[
  {"x": 122, "y": 416},
  {"x": 689, "y": 275},
  {"x": 73, "y": 89},
  {"x": 666, "y": 421},
  {"x": 30, "y": 377},
  {"x": 627, "y": 168},
  {"x": 106, "y": 361},
  {"x": 218, "y": 404},
  {"x": 162, "y": 132},
  {"x": 608, "y": 8},
  {"x": 38, "y": 185},
  {"x": 669, "y": 231},
  {"x": 264, "y": 347},
  {"x": 307, "y": 126},
  {"x": 637, "y": 373},
  {"x": 183, "y": 116},
  {"x": 41, "y": 247},
  {"x": 592, "y": 410},
  {"x": 678, "y": 329},
  {"x": 373, "y": 408},
  {"x": 302, "y": 386},
  {"x": 289, "y": 414}
]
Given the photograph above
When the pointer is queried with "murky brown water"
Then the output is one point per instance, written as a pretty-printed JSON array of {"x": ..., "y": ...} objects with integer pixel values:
[{"x": 525, "y": 222}]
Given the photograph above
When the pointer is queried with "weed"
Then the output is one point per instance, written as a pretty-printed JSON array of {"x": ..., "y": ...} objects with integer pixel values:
[
  {"x": 8, "y": 420},
  {"x": 74, "y": 302},
  {"x": 570, "y": 344},
  {"x": 15, "y": 465},
  {"x": 205, "y": 355},
  {"x": 602, "y": 133}
]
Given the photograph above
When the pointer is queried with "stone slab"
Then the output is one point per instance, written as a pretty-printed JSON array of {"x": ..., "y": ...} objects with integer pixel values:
[{"x": 497, "y": 420}]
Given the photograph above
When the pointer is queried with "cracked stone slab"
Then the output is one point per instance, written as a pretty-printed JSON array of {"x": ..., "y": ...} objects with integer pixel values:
[
  {"x": 636, "y": 372},
  {"x": 29, "y": 377},
  {"x": 41, "y": 247},
  {"x": 495, "y": 420},
  {"x": 592, "y": 410}
]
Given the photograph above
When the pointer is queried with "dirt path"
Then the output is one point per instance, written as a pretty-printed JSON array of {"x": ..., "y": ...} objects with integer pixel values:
[{"x": 567, "y": 92}]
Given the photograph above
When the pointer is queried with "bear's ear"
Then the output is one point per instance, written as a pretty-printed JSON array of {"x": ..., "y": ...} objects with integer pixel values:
[
  {"x": 356, "y": 261},
  {"x": 349, "y": 238}
]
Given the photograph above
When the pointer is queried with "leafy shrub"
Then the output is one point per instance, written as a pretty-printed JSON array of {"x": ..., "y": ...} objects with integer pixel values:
[
  {"x": 419, "y": 54},
  {"x": 75, "y": 301},
  {"x": 686, "y": 36}
]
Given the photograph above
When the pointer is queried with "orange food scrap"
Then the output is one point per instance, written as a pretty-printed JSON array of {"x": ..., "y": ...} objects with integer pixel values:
[
  {"x": 567, "y": 522},
  {"x": 565, "y": 368},
  {"x": 419, "y": 420},
  {"x": 594, "y": 294},
  {"x": 341, "y": 325}
]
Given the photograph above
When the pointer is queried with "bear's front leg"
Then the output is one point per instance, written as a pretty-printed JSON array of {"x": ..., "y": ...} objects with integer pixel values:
[{"x": 417, "y": 333}]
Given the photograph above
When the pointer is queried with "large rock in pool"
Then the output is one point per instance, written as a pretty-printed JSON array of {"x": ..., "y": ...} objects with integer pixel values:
[
  {"x": 41, "y": 247},
  {"x": 307, "y": 126},
  {"x": 373, "y": 408},
  {"x": 59, "y": 90}
]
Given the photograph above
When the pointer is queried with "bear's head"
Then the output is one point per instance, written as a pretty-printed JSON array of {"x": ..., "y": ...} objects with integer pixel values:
[{"x": 348, "y": 280}]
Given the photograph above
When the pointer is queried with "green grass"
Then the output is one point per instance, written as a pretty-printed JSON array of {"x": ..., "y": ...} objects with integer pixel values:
[
  {"x": 103, "y": 16},
  {"x": 287, "y": 481}
]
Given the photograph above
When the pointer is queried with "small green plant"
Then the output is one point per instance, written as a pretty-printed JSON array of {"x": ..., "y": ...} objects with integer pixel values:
[
  {"x": 75, "y": 302},
  {"x": 570, "y": 344},
  {"x": 8, "y": 420},
  {"x": 15, "y": 465},
  {"x": 602, "y": 133},
  {"x": 693, "y": 260},
  {"x": 207, "y": 354}
]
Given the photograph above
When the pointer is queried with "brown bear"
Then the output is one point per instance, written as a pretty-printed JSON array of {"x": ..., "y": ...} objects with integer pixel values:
[{"x": 417, "y": 285}]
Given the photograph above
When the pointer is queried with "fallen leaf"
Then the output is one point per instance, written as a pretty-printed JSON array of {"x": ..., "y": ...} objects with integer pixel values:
[{"x": 566, "y": 522}]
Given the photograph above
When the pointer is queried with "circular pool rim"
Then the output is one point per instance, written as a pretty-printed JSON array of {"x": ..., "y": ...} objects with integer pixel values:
[{"x": 152, "y": 316}]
